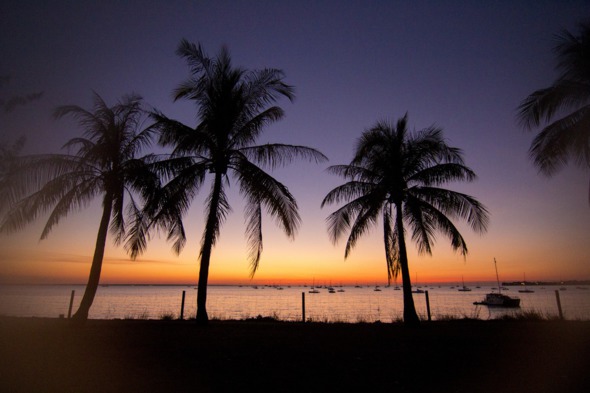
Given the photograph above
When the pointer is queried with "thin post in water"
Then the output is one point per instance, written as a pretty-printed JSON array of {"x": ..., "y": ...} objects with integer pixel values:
[
  {"x": 71, "y": 303},
  {"x": 303, "y": 307},
  {"x": 558, "y": 304},
  {"x": 182, "y": 306},
  {"x": 427, "y": 305}
]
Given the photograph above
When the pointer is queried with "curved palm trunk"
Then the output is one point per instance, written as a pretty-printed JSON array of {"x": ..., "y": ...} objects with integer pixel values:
[
  {"x": 212, "y": 222},
  {"x": 94, "y": 277},
  {"x": 410, "y": 315}
]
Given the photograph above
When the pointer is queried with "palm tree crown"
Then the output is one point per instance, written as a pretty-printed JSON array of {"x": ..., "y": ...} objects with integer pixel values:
[
  {"x": 234, "y": 105},
  {"x": 567, "y": 136},
  {"x": 396, "y": 175},
  {"x": 104, "y": 163}
]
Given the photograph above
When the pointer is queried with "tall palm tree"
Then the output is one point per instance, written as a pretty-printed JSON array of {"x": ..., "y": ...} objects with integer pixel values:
[
  {"x": 396, "y": 175},
  {"x": 234, "y": 106},
  {"x": 565, "y": 105},
  {"x": 104, "y": 163}
]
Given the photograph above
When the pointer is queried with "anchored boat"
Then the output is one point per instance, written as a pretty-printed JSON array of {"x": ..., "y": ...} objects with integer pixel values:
[{"x": 498, "y": 299}]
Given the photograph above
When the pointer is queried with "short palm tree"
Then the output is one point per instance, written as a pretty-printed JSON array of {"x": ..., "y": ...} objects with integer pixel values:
[
  {"x": 234, "y": 106},
  {"x": 565, "y": 105},
  {"x": 396, "y": 175},
  {"x": 104, "y": 163}
]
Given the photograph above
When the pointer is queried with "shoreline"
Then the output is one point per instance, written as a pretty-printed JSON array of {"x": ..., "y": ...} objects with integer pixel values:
[{"x": 51, "y": 355}]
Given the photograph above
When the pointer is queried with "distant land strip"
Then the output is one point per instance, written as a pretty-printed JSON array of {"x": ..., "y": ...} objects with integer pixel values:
[{"x": 548, "y": 283}]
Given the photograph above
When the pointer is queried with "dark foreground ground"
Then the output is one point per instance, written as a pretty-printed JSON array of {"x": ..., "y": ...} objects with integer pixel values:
[{"x": 49, "y": 355}]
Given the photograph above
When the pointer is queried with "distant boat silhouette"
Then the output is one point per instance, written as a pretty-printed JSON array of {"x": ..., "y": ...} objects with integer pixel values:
[
  {"x": 313, "y": 290},
  {"x": 498, "y": 299},
  {"x": 417, "y": 290},
  {"x": 525, "y": 290},
  {"x": 464, "y": 288},
  {"x": 331, "y": 288}
]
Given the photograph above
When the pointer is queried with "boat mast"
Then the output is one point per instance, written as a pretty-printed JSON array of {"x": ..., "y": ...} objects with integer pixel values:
[{"x": 497, "y": 277}]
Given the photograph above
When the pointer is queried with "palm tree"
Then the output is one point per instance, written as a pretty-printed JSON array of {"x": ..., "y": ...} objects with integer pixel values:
[
  {"x": 567, "y": 136},
  {"x": 396, "y": 175},
  {"x": 234, "y": 106},
  {"x": 104, "y": 164}
]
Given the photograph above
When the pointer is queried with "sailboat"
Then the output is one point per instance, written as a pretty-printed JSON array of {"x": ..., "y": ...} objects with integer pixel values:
[
  {"x": 498, "y": 299},
  {"x": 417, "y": 290},
  {"x": 464, "y": 288},
  {"x": 525, "y": 290},
  {"x": 313, "y": 290}
]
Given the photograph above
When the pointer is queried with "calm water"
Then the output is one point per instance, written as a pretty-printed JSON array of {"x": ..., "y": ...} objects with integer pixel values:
[{"x": 232, "y": 302}]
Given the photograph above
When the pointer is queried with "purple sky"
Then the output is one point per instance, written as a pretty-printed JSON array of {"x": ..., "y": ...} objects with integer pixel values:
[{"x": 463, "y": 66}]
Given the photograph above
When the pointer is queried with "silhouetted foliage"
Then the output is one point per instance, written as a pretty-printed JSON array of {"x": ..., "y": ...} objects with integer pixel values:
[
  {"x": 8, "y": 104},
  {"x": 567, "y": 136},
  {"x": 104, "y": 163},
  {"x": 9, "y": 154},
  {"x": 396, "y": 175},
  {"x": 233, "y": 106}
]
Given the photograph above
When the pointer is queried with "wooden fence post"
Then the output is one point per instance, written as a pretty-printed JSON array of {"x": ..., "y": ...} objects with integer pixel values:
[
  {"x": 427, "y": 305},
  {"x": 182, "y": 306},
  {"x": 71, "y": 303},
  {"x": 303, "y": 307},
  {"x": 558, "y": 304}
]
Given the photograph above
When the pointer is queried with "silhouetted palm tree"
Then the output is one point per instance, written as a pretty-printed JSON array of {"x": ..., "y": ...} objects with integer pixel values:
[
  {"x": 396, "y": 175},
  {"x": 234, "y": 106},
  {"x": 104, "y": 164},
  {"x": 567, "y": 136}
]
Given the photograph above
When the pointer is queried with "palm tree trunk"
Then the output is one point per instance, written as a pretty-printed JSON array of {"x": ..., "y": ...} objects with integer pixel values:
[
  {"x": 212, "y": 222},
  {"x": 94, "y": 277},
  {"x": 410, "y": 315}
]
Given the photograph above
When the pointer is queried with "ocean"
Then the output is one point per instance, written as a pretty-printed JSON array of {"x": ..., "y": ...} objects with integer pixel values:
[{"x": 347, "y": 304}]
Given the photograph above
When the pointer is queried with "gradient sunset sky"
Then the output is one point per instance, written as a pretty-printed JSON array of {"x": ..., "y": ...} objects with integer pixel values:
[{"x": 461, "y": 65}]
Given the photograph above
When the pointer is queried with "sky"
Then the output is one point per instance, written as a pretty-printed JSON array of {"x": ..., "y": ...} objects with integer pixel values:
[{"x": 463, "y": 66}]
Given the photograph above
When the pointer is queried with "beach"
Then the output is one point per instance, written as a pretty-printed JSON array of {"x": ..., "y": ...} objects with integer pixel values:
[{"x": 51, "y": 355}]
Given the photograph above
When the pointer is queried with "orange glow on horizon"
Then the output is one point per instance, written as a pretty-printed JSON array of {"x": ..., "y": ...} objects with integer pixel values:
[
  {"x": 311, "y": 258},
  {"x": 67, "y": 269}
]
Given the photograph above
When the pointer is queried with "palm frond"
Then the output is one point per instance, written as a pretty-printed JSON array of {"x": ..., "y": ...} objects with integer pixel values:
[
  {"x": 280, "y": 155},
  {"x": 348, "y": 192},
  {"x": 346, "y": 217},
  {"x": 442, "y": 173},
  {"x": 543, "y": 104},
  {"x": 196, "y": 59},
  {"x": 568, "y": 137},
  {"x": 432, "y": 219},
  {"x": 253, "y": 213},
  {"x": 274, "y": 196},
  {"x": 455, "y": 204},
  {"x": 223, "y": 209},
  {"x": 138, "y": 233},
  {"x": 573, "y": 54},
  {"x": 252, "y": 124},
  {"x": 423, "y": 228},
  {"x": 117, "y": 225},
  {"x": 266, "y": 86},
  {"x": 174, "y": 133},
  {"x": 365, "y": 219}
]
